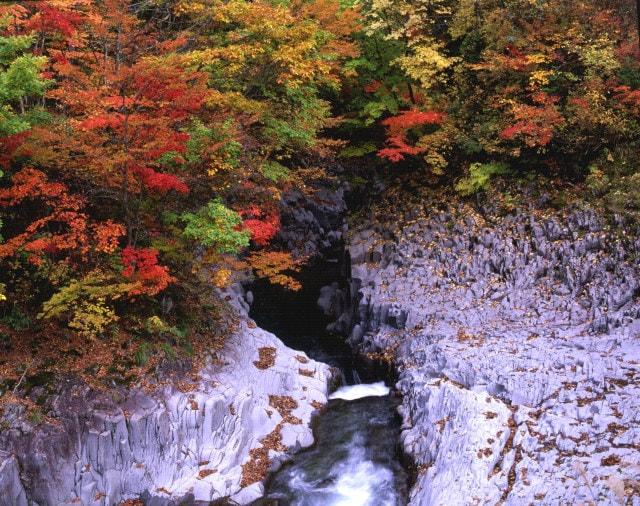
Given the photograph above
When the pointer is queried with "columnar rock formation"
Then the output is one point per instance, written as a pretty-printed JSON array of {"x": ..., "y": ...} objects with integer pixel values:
[
  {"x": 516, "y": 335},
  {"x": 206, "y": 437},
  {"x": 210, "y": 436}
]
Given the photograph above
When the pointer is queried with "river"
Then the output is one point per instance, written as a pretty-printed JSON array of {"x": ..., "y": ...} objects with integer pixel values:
[{"x": 356, "y": 459}]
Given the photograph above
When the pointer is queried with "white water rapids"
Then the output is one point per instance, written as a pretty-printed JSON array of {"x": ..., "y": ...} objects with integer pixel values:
[
  {"x": 353, "y": 392},
  {"x": 355, "y": 459}
]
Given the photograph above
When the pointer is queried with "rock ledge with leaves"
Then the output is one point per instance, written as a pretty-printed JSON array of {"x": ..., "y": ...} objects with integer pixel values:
[
  {"x": 207, "y": 437},
  {"x": 516, "y": 334}
]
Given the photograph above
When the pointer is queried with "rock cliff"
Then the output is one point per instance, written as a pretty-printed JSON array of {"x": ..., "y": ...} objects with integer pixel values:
[
  {"x": 515, "y": 332},
  {"x": 209, "y": 436}
]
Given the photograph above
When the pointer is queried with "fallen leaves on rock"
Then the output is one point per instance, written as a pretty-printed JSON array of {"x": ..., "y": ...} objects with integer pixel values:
[
  {"x": 285, "y": 405},
  {"x": 256, "y": 468},
  {"x": 203, "y": 473},
  {"x": 611, "y": 460},
  {"x": 266, "y": 357}
]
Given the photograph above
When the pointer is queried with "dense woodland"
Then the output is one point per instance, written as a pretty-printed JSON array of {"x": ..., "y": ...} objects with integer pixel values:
[{"x": 146, "y": 144}]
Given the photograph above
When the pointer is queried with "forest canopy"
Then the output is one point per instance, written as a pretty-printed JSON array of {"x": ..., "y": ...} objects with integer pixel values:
[{"x": 145, "y": 145}]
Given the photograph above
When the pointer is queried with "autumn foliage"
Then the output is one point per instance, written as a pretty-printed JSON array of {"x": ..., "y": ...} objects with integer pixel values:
[
  {"x": 145, "y": 146},
  {"x": 398, "y": 128},
  {"x": 546, "y": 87}
]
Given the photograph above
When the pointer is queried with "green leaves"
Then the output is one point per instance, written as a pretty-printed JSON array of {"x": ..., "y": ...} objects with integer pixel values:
[
  {"x": 19, "y": 79},
  {"x": 216, "y": 226},
  {"x": 274, "y": 171},
  {"x": 11, "y": 47},
  {"x": 480, "y": 175},
  {"x": 22, "y": 78}
]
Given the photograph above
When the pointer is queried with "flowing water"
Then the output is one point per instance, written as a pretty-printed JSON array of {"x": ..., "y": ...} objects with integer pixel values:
[
  {"x": 354, "y": 461},
  {"x": 356, "y": 458}
]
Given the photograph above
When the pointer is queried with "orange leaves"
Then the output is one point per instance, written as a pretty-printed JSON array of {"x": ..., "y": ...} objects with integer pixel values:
[
  {"x": 107, "y": 236},
  {"x": 397, "y": 148},
  {"x": 64, "y": 229},
  {"x": 397, "y": 130},
  {"x": 411, "y": 119},
  {"x": 272, "y": 265},
  {"x": 30, "y": 183},
  {"x": 141, "y": 266},
  {"x": 100, "y": 121},
  {"x": 534, "y": 124},
  {"x": 168, "y": 87},
  {"x": 341, "y": 23}
]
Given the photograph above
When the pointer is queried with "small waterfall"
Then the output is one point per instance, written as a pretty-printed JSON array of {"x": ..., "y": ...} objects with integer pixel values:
[{"x": 356, "y": 459}]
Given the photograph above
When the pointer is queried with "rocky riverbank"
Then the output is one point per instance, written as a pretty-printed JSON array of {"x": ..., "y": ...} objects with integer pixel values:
[
  {"x": 515, "y": 333},
  {"x": 208, "y": 436}
]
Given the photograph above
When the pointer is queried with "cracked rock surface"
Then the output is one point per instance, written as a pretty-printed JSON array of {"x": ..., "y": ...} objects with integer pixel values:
[
  {"x": 516, "y": 336},
  {"x": 189, "y": 440}
]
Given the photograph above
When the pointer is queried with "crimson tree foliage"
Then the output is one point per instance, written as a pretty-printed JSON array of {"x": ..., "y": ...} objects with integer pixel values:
[
  {"x": 263, "y": 225},
  {"x": 62, "y": 229},
  {"x": 531, "y": 85},
  {"x": 398, "y": 128},
  {"x": 141, "y": 265},
  {"x": 143, "y": 151}
]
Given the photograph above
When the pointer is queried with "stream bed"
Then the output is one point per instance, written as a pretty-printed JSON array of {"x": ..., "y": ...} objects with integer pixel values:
[{"x": 356, "y": 459}]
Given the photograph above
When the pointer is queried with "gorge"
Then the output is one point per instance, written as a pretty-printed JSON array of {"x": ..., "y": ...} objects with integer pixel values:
[
  {"x": 319, "y": 252},
  {"x": 444, "y": 296}
]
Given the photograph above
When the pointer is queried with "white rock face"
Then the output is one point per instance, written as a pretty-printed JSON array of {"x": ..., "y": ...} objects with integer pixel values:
[
  {"x": 170, "y": 444},
  {"x": 517, "y": 338},
  {"x": 11, "y": 490}
]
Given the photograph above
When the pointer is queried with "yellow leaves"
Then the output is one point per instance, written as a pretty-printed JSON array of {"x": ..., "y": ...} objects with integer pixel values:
[
  {"x": 294, "y": 45},
  {"x": 86, "y": 304},
  {"x": 155, "y": 325},
  {"x": 427, "y": 63},
  {"x": 92, "y": 318},
  {"x": 540, "y": 78},
  {"x": 599, "y": 57},
  {"x": 407, "y": 20},
  {"x": 464, "y": 18},
  {"x": 94, "y": 287},
  {"x": 189, "y": 7},
  {"x": 235, "y": 101},
  {"x": 3, "y": 297},
  {"x": 234, "y": 55},
  {"x": 437, "y": 146},
  {"x": 217, "y": 164},
  {"x": 221, "y": 278},
  {"x": 413, "y": 22},
  {"x": 537, "y": 58},
  {"x": 296, "y": 65}
]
